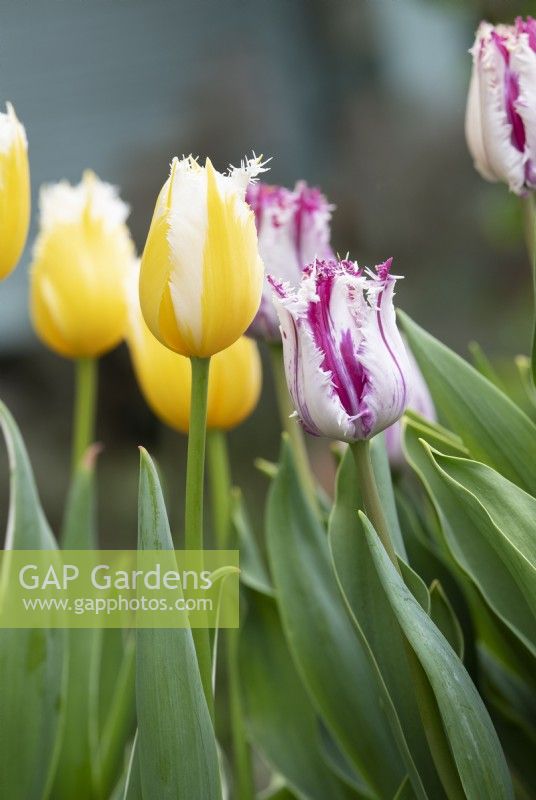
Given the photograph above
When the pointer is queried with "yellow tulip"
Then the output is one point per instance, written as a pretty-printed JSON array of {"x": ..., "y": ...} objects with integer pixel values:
[
  {"x": 201, "y": 273},
  {"x": 81, "y": 259},
  {"x": 14, "y": 191},
  {"x": 164, "y": 377}
]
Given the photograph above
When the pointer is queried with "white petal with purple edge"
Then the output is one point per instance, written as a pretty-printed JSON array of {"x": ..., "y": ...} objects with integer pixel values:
[{"x": 506, "y": 161}]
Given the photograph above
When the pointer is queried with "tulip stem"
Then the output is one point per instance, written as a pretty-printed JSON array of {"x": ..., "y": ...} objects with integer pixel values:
[
  {"x": 220, "y": 486},
  {"x": 291, "y": 425},
  {"x": 84, "y": 407},
  {"x": 195, "y": 477},
  {"x": 431, "y": 721},
  {"x": 371, "y": 497},
  {"x": 220, "y": 480},
  {"x": 530, "y": 228}
]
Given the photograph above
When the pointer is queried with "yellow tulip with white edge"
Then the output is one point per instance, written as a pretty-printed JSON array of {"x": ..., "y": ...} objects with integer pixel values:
[
  {"x": 164, "y": 377},
  {"x": 201, "y": 274},
  {"x": 14, "y": 191},
  {"x": 82, "y": 257}
]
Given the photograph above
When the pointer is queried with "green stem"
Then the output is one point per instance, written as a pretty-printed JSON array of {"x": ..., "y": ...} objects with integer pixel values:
[
  {"x": 195, "y": 476},
  {"x": 84, "y": 407},
  {"x": 431, "y": 721},
  {"x": 530, "y": 229},
  {"x": 220, "y": 481},
  {"x": 220, "y": 486},
  {"x": 291, "y": 425},
  {"x": 371, "y": 497}
]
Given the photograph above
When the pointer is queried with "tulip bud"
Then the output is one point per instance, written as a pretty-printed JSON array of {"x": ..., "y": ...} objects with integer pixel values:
[
  {"x": 345, "y": 362},
  {"x": 419, "y": 400},
  {"x": 201, "y": 273},
  {"x": 500, "y": 121},
  {"x": 293, "y": 227},
  {"x": 14, "y": 191},
  {"x": 80, "y": 262},
  {"x": 164, "y": 377}
]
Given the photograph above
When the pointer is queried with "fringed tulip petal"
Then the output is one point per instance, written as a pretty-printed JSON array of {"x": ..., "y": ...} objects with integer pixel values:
[
  {"x": 201, "y": 273},
  {"x": 293, "y": 228},
  {"x": 345, "y": 362},
  {"x": 500, "y": 121}
]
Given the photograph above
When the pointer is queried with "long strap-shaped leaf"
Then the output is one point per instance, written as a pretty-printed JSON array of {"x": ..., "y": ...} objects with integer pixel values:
[
  {"x": 32, "y": 662},
  {"x": 474, "y": 744},
  {"x": 176, "y": 745},
  {"x": 329, "y": 657},
  {"x": 284, "y": 727},
  {"x": 377, "y": 626},
  {"x": 473, "y": 540},
  {"x": 494, "y": 429}
]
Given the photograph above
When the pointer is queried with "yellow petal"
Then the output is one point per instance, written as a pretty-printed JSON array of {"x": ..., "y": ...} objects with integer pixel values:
[
  {"x": 78, "y": 273},
  {"x": 234, "y": 384},
  {"x": 164, "y": 377},
  {"x": 232, "y": 270},
  {"x": 14, "y": 197}
]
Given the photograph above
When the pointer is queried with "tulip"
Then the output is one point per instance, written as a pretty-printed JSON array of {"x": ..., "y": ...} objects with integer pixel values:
[
  {"x": 293, "y": 227},
  {"x": 164, "y": 377},
  {"x": 419, "y": 400},
  {"x": 81, "y": 258},
  {"x": 201, "y": 273},
  {"x": 346, "y": 366},
  {"x": 501, "y": 108},
  {"x": 14, "y": 191}
]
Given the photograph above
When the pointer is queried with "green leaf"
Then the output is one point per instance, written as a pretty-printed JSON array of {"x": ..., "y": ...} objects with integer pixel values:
[
  {"x": 444, "y": 617},
  {"x": 118, "y": 722},
  {"x": 329, "y": 657},
  {"x": 277, "y": 793},
  {"x": 382, "y": 474},
  {"x": 405, "y": 791},
  {"x": 525, "y": 374},
  {"x": 494, "y": 429},
  {"x": 253, "y": 572},
  {"x": 475, "y": 747},
  {"x": 133, "y": 779},
  {"x": 280, "y": 718},
  {"x": 177, "y": 750},
  {"x": 504, "y": 514},
  {"x": 77, "y": 759},
  {"x": 416, "y": 585},
  {"x": 512, "y": 706},
  {"x": 378, "y": 629},
  {"x": 32, "y": 662},
  {"x": 469, "y": 542},
  {"x": 484, "y": 365}
]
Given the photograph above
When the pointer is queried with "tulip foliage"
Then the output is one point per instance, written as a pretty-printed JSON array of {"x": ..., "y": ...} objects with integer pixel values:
[{"x": 387, "y": 639}]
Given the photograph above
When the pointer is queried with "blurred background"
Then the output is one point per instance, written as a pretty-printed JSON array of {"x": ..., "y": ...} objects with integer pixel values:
[{"x": 364, "y": 98}]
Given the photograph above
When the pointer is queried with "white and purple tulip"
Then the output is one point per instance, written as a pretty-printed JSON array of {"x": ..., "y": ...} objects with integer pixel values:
[
  {"x": 419, "y": 400},
  {"x": 500, "y": 122},
  {"x": 346, "y": 365},
  {"x": 293, "y": 228}
]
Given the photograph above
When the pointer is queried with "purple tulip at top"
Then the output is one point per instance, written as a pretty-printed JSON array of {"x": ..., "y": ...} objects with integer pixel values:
[
  {"x": 346, "y": 366},
  {"x": 500, "y": 122},
  {"x": 293, "y": 227}
]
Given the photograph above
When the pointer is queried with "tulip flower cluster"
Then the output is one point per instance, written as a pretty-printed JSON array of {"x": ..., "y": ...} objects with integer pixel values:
[{"x": 227, "y": 256}]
